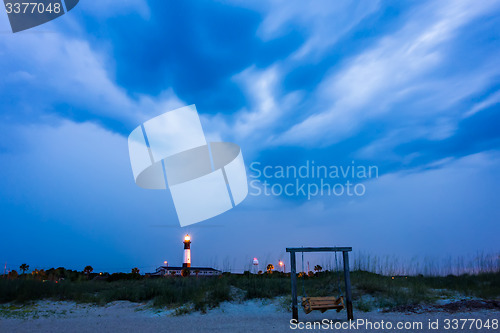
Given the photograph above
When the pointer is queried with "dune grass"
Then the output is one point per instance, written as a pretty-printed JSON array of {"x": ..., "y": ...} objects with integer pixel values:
[
  {"x": 202, "y": 293},
  {"x": 370, "y": 290}
]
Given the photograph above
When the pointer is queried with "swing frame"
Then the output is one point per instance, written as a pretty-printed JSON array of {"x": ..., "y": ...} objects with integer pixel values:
[{"x": 347, "y": 278}]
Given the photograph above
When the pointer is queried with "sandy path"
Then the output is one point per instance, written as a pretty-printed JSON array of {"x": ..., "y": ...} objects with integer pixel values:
[{"x": 251, "y": 316}]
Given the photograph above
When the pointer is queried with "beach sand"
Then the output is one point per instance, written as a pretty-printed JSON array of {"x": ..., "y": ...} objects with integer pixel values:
[{"x": 248, "y": 316}]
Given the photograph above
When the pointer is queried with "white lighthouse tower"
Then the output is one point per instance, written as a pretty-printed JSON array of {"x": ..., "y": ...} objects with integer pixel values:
[{"x": 187, "y": 251}]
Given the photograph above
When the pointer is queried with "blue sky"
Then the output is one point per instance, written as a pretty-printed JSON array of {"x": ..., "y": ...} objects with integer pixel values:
[{"x": 410, "y": 87}]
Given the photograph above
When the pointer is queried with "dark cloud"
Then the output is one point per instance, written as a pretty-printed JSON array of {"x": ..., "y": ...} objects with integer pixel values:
[{"x": 194, "y": 47}]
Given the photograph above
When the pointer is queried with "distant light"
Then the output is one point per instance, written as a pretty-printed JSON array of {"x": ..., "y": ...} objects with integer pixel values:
[
  {"x": 255, "y": 261},
  {"x": 187, "y": 238},
  {"x": 281, "y": 263},
  {"x": 165, "y": 262}
]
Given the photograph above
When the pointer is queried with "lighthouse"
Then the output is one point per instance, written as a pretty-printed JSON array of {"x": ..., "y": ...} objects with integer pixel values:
[
  {"x": 186, "y": 269},
  {"x": 187, "y": 251}
]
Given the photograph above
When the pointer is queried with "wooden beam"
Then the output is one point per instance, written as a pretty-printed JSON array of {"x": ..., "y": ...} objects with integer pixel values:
[
  {"x": 318, "y": 249},
  {"x": 293, "y": 275},
  {"x": 347, "y": 278}
]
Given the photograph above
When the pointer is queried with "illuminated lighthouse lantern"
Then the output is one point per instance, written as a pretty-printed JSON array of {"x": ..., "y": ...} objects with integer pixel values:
[{"x": 187, "y": 251}]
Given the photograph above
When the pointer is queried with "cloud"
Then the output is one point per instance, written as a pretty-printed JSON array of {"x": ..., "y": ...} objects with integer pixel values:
[
  {"x": 66, "y": 76},
  {"x": 108, "y": 8},
  {"x": 491, "y": 100},
  {"x": 287, "y": 81},
  {"x": 447, "y": 204},
  {"x": 372, "y": 83},
  {"x": 266, "y": 99},
  {"x": 70, "y": 186},
  {"x": 458, "y": 208},
  {"x": 322, "y": 22}
]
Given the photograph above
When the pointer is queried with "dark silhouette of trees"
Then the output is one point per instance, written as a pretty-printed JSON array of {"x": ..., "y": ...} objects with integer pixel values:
[
  {"x": 135, "y": 270},
  {"x": 24, "y": 267},
  {"x": 13, "y": 274},
  {"x": 318, "y": 268},
  {"x": 270, "y": 267},
  {"x": 87, "y": 270}
]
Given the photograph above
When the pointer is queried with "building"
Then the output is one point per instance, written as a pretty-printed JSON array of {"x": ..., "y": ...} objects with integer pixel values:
[
  {"x": 194, "y": 271},
  {"x": 186, "y": 265}
]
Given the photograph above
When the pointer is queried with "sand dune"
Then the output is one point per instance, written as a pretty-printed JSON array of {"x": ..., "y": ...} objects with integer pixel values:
[{"x": 249, "y": 316}]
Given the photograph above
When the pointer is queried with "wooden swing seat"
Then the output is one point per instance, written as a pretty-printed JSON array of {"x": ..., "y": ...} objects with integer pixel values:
[{"x": 322, "y": 303}]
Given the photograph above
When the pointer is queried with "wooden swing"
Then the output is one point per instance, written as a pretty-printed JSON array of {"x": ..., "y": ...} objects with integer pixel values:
[{"x": 322, "y": 303}]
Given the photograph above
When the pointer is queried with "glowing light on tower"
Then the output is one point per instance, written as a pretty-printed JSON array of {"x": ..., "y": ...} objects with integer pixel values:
[{"x": 187, "y": 251}]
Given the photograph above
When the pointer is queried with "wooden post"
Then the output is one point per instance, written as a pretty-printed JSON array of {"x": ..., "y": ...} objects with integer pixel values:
[
  {"x": 347, "y": 279},
  {"x": 293, "y": 277}
]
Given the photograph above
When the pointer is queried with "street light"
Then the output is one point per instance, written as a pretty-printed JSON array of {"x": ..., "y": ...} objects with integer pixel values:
[
  {"x": 165, "y": 263},
  {"x": 282, "y": 264}
]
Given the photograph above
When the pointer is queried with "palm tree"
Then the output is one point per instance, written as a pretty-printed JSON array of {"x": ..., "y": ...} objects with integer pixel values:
[
  {"x": 318, "y": 268},
  {"x": 87, "y": 270},
  {"x": 172, "y": 273},
  {"x": 135, "y": 270},
  {"x": 24, "y": 267},
  {"x": 185, "y": 272},
  {"x": 270, "y": 267}
]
